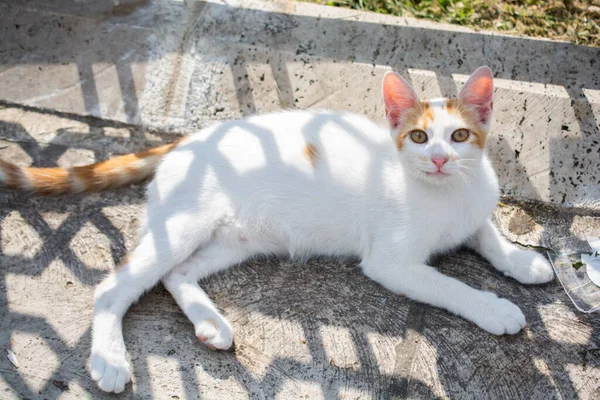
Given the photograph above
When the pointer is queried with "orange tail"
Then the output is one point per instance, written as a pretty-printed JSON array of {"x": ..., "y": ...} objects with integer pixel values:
[{"x": 109, "y": 174}]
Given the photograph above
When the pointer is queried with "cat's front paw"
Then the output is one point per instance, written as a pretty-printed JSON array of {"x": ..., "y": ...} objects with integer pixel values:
[
  {"x": 216, "y": 335},
  {"x": 110, "y": 370},
  {"x": 530, "y": 267},
  {"x": 498, "y": 316}
]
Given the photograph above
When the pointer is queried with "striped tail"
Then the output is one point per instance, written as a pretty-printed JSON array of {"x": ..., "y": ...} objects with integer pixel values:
[{"x": 109, "y": 174}]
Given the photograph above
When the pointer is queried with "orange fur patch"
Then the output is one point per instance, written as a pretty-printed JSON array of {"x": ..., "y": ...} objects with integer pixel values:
[
  {"x": 123, "y": 262},
  {"x": 312, "y": 154},
  {"x": 48, "y": 181},
  {"x": 14, "y": 177},
  {"x": 426, "y": 116},
  {"x": 107, "y": 174},
  {"x": 118, "y": 171},
  {"x": 416, "y": 118},
  {"x": 455, "y": 106}
]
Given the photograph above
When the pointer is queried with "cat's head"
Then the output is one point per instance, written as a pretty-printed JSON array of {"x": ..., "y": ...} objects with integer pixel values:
[{"x": 440, "y": 140}]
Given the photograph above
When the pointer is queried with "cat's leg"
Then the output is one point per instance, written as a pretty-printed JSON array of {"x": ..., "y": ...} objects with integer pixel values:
[
  {"x": 211, "y": 327},
  {"x": 158, "y": 251},
  {"x": 526, "y": 266},
  {"x": 425, "y": 284}
]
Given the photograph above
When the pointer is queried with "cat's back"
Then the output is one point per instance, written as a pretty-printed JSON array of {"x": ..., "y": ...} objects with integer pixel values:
[
  {"x": 285, "y": 129},
  {"x": 309, "y": 142}
]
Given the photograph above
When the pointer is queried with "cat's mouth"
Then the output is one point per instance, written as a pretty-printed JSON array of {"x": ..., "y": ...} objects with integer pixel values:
[{"x": 437, "y": 173}]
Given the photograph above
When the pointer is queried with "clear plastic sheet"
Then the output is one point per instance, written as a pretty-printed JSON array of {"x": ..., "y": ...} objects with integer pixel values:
[{"x": 565, "y": 257}]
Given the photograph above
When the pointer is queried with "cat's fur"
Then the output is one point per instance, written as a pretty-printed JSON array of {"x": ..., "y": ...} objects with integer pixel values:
[{"x": 302, "y": 183}]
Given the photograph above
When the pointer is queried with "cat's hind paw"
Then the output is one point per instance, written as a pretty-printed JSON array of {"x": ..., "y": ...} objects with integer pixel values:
[
  {"x": 498, "y": 316},
  {"x": 111, "y": 371},
  {"x": 530, "y": 267},
  {"x": 215, "y": 335}
]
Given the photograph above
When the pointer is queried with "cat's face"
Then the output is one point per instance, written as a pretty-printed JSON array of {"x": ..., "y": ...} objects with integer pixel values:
[{"x": 440, "y": 141}]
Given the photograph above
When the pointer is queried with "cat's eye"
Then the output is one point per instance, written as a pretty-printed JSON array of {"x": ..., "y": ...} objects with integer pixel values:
[
  {"x": 460, "y": 135},
  {"x": 418, "y": 136}
]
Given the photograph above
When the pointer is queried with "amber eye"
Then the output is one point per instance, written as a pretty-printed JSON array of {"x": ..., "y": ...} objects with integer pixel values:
[
  {"x": 460, "y": 135},
  {"x": 418, "y": 136}
]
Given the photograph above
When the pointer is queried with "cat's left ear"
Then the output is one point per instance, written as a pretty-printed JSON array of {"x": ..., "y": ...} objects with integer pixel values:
[{"x": 478, "y": 93}]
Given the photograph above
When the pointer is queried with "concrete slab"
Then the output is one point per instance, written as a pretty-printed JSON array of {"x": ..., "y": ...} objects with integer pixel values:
[
  {"x": 174, "y": 66},
  {"x": 178, "y": 66}
]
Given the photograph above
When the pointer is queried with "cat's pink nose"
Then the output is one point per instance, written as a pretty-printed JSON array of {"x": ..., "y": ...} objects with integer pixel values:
[{"x": 439, "y": 161}]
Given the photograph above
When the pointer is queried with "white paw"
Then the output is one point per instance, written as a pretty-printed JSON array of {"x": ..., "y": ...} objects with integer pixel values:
[
  {"x": 498, "y": 316},
  {"x": 110, "y": 370},
  {"x": 216, "y": 335},
  {"x": 530, "y": 267}
]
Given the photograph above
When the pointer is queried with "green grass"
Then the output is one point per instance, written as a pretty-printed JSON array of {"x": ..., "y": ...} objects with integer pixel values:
[{"x": 574, "y": 21}]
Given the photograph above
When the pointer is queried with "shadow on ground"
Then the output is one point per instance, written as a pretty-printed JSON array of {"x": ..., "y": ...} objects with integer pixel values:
[{"x": 315, "y": 328}]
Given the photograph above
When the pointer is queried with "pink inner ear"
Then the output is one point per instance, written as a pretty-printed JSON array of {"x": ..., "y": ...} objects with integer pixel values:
[
  {"x": 478, "y": 92},
  {"x": 398, "y": 96}
]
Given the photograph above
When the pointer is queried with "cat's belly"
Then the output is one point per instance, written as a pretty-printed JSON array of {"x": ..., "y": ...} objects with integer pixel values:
[
  {"x": 450, "y": 240},
  {"x": 297, "y": 236},
  {"x": 296, "y": 226}
]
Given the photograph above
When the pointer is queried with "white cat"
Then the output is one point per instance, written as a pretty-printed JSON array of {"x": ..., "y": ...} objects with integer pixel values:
[{"x": 303, "y": 183}]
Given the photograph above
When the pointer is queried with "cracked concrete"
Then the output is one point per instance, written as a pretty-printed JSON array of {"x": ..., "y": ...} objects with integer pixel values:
[{"x": 82, "y": 81}]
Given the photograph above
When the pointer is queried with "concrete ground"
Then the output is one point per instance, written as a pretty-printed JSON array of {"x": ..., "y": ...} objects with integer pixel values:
[{"x": 83, "y": 80}]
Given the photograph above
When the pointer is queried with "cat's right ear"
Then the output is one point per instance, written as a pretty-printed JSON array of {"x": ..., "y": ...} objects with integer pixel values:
[{"x": 399, "y": 97}]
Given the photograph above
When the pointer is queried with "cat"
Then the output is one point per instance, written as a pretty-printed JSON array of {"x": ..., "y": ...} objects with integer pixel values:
[{"x": 303, "y": 183}]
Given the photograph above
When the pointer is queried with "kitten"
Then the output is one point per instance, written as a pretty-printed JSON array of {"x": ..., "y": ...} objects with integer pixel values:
[{"x": 302, "y": 183}]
